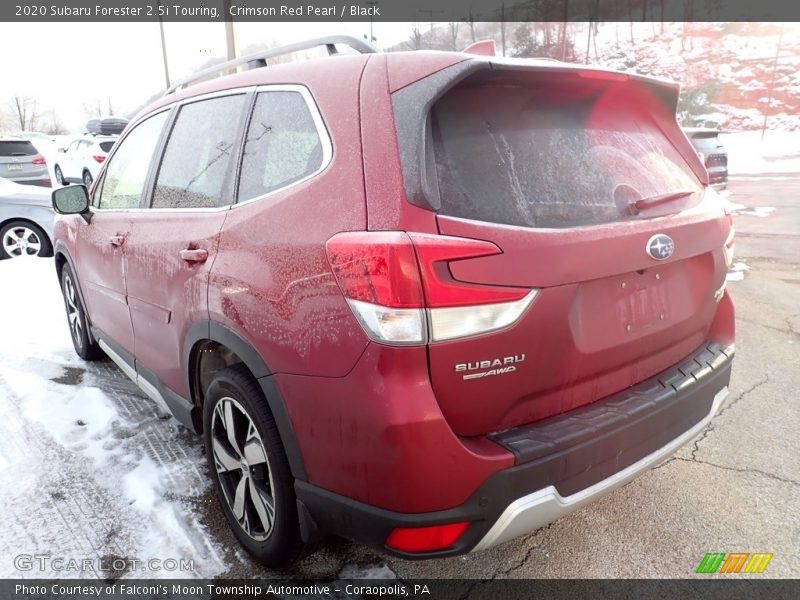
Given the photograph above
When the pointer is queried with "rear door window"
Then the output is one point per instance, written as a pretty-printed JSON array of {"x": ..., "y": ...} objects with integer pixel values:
[
  {"x": 283, "y": 144},
  {"x": 198, "y": 154},
  {"x": 551, "y": 158}
]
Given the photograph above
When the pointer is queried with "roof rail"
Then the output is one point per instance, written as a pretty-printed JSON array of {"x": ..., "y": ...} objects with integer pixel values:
[{"x": 259, "y": 59}]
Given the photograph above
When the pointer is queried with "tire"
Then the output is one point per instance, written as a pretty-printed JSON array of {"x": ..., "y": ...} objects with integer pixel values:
[
  {"x": 87, "y": 179},
  {"x": 233, "y": 400},
  {"x": 76, "y": 318},
  {"x": 23, "y": 238},
  {"x": 59, "y": 175}
]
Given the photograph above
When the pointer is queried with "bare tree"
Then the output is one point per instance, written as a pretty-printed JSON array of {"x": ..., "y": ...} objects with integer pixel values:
[
  {"x": 25, "y": 113},
  {"x": 92, "y": 109},
  {"x": 472, "y": 27},
  {"x": 452, "y": 35},
  {"x": 54, "y": 125},
  {"x": 415, "y": 41}
]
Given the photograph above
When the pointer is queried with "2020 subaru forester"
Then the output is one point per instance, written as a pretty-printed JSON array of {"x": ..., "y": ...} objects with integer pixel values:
[{"x": 428, "y": 301}]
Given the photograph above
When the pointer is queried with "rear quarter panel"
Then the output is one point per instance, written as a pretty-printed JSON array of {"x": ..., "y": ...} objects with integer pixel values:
[{"x": 271, "y": 281}]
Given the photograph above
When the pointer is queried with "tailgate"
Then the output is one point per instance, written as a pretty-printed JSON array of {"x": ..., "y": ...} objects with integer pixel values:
[{"x": 595, "y": 198}]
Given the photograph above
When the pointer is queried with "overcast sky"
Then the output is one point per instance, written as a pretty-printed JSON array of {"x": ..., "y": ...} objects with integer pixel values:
[{"x": 64, "y": 66}]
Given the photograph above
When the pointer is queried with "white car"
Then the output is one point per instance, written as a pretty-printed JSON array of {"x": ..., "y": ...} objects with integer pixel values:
[{"x": 80, "y": 162}]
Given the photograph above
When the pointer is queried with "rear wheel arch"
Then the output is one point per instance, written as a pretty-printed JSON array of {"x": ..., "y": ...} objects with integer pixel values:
[{"x": 210, "y": 347}]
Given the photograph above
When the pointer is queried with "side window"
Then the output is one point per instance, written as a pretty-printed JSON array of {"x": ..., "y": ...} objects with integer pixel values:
[
  {"x": 282, "y": 144},
  {"x": 126, "y": 173},
  {"x": 198, "y": 153}
]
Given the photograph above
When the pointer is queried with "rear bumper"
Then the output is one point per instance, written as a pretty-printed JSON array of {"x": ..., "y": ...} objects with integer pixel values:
[
  {"x": 561, "y": 463},
  {"x": 43, "y": 181}
]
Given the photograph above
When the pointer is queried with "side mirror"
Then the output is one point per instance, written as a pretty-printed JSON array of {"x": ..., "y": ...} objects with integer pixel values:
[
  {"x": 62, "y": 150},
  {"x": 72, "y": 200}
]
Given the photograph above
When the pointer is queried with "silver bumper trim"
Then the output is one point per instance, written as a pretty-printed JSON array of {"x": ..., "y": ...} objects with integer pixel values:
[{"x": 544, "y": 506}]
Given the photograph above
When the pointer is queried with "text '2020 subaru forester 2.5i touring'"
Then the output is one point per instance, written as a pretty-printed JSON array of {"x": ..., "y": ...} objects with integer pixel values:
[{"x": 427, "y": 301}]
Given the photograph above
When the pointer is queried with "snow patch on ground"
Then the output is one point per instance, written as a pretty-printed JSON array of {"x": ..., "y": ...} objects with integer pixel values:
[
  {"x": 737, "y": 270},
  {"x": 367, "y": 572},
  {"x": 759, "y": 211},
  {"x": 778, "y": 152},
  {"x": 88, "y": 467}
]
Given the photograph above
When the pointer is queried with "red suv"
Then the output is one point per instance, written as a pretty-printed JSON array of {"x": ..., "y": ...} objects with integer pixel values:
[{"x": 427, "y": 301}]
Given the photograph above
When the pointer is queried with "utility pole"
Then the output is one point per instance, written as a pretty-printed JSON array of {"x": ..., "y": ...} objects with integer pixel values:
[
  {"x": 230, "y": 41},
  {"x": 564, "y": 31},
  {"x": 163, "y": 46},
  {"x": 371, "y": 4},
  {"x": 772, "y": 83},
  {"x": 503, "y": 29}
]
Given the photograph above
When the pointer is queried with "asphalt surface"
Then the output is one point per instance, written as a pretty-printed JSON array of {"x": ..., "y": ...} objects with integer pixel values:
[{"x": 734, "y": 489}]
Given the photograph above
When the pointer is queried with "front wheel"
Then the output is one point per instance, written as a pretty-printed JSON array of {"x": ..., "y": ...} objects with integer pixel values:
[
  {"x": 76, "y": 318},
  {"x": 250, "y": 469}
]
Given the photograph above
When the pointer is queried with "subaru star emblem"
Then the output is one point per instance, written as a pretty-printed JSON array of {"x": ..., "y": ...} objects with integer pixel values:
[{"x": 660, "y": 246}]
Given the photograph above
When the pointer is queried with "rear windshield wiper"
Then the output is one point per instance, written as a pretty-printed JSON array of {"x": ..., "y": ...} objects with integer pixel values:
[{"x": 659, "y": 199}]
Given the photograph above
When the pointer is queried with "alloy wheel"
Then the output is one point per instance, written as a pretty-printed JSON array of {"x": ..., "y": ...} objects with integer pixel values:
[
  {"x": 243, "y": 469},
  {"x": 73, "y": 311},
  {"x": 21, "y": 241}
]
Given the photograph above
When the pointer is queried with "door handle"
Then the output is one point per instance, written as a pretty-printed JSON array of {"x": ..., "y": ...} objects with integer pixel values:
[
  {"x": 198, "y": 255},
  {"x": 117, "y": 240}
]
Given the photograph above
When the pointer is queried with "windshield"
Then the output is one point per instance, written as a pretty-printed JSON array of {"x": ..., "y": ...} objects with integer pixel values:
[{"x": 551, "y": 158}]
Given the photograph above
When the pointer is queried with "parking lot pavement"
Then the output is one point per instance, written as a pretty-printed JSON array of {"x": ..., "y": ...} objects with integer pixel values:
[{"x": 735, "y": 489}]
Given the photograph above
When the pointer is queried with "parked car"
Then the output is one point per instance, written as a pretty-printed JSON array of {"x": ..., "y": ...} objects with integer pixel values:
[
  {"x": 713, "y": 154},
  {"x": 21, "y": 162},
  {"x": 426, "y": 301},
  {"x": 26, "y": 220},
  {"x": 81, "y": 161}
]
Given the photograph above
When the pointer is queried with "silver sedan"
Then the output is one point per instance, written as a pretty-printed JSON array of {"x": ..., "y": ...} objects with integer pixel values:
[{"x": 26, "y": 220}]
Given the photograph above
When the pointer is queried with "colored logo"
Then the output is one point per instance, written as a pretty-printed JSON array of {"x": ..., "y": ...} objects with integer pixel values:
[{"x": 735, "y": 562}]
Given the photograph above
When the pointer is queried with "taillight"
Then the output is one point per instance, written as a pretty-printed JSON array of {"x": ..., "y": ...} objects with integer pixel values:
[
  {"x": 99, "y": 158},
  {"x": 400, "y": 288},
  {"x": 39, "y": 160},
  {"x": 426, "y": 539}
]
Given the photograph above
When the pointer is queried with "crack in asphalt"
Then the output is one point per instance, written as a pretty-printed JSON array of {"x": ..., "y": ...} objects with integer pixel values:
[
  {"x": 725, "y": 409},
  {"x": 741, "y": 396},
  {"x": 788, "y": 330},
  {"x": 738, "y": 470},
  {"x": 505, "y": 572}
]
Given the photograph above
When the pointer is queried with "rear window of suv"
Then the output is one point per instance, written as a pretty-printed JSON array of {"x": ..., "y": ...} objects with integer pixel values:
[
  {"x": 554, "y": 156},
  {"x": 17, "y": 148}
]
